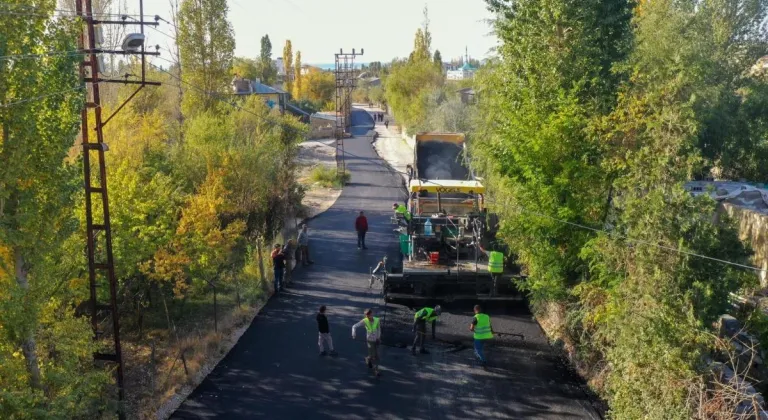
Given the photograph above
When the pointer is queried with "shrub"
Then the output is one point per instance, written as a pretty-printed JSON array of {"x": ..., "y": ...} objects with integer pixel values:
[{"x": 328, "y": 177}]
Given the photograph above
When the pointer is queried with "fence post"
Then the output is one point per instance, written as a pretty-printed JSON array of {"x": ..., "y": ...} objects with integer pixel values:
[{"x": 215, "y": 311}]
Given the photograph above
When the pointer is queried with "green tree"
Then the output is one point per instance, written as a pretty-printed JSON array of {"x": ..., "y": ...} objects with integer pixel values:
[
  {"x": 560, "y": 63},
  {"x": 288, "y": 65},
  {"x": 408, "y": 89},
  {"x": 319, "y": 86},
  {"x": 438, "y": 58},
  {"x": 206, "y": 44},
  {"x": 41, "y": 341},
  {"x": 246, "y": 68},
  {"x": 267, "y": 68}
]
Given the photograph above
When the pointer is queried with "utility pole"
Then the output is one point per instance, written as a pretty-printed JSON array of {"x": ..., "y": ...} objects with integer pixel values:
[
  {"x": 346, "y": 81},
  {"x": 101, "y": 270}
]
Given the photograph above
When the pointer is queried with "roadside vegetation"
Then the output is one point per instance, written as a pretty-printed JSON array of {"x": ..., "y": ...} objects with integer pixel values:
[
  {"x": 328, "y": 177},
  {"x": 198, "y": 187},
  {"x": 592, "y": 117}
]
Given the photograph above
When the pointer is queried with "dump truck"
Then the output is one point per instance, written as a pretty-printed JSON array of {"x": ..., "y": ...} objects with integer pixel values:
[{"x": 448, "y": 249}]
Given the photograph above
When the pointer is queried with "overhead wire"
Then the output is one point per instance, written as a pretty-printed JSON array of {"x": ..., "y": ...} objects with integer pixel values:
[
  {"x": 47, "y": 95},
  {"x": 217, "y": 97},
  {"x": 615, "y": 235},
  {"x": 24, "y": 10}
]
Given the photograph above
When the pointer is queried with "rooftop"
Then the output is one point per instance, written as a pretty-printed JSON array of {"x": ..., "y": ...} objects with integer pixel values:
[{"x": 742, "y": 194}]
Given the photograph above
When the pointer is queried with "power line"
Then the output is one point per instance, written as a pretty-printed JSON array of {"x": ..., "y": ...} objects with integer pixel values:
[
  {"x": 24, "y": 10},
  {"x": 217, "y": 97},
  {"x": 624, "y": 237},
  {"x": 48, "y": 54},
  {"x": 10, "y": 104}
]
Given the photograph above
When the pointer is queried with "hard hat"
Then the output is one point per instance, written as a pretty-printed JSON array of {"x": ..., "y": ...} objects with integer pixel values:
[{"x": 438, "y": 309}]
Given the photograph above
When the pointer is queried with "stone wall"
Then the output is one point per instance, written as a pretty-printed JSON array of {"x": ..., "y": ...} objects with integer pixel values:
[{"x": 753, "y": 227}]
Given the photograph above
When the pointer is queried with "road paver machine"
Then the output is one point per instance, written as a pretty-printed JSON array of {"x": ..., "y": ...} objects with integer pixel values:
[{"x": 448, "y": 247}]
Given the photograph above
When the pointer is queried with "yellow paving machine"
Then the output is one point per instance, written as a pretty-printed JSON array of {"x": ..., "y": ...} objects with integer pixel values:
[{"x": 447, "y": 238}]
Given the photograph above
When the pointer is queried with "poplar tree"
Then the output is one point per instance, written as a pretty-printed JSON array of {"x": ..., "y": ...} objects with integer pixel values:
[
  {"x": 288, "y": 66},
  {"x": 41, "y": 342},
  {"x": 297, "y": 77},
  {"x": 266, "y": 68},
  {"x": 207, "y": 44}
]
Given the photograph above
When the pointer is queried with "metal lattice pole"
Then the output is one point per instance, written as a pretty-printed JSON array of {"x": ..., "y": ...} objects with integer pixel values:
[
  {"x": 102, "y": 282},
  {"x": 345, "y": 84}
]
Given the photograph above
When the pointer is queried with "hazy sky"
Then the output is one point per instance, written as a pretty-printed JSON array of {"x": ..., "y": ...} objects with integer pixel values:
[{"x": 319, "y": 28}]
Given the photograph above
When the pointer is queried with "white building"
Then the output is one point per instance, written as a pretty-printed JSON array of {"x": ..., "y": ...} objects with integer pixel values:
[{"x": 465, "y": 72}]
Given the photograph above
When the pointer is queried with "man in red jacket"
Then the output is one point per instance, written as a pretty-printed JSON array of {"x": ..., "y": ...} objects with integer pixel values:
[{"x": 361, "y": 226}]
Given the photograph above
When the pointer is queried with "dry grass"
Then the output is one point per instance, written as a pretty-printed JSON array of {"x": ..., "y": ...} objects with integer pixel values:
[{"x": 155, "y": 386}]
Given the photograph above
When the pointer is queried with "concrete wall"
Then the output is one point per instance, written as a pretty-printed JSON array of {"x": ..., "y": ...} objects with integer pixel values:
[
  {"x": 321, "y": 128},
  {"x": 753, "y": 227}
]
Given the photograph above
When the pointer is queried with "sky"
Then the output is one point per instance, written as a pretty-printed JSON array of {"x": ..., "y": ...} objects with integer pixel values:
[{"x": 320, "y": 28}]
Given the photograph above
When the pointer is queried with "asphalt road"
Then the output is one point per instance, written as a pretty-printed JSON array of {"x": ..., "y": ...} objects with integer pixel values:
[{"x": 274, "y": 371}]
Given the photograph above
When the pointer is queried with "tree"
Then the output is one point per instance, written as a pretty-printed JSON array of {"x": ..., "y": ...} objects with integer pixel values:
[
  {"x": 246, "y": 68},
  {"x": 319, "y": 86},
  {"x": 288, "y": 64},
  {"x": 266, "y": 67},
  {"x": 407, "y": 91},
  {"x": 297, "y": 92},
  {"x": 206, "y": 42},
  {"x": 41, "y": 341},
  {"x": 438, "y": 58}
]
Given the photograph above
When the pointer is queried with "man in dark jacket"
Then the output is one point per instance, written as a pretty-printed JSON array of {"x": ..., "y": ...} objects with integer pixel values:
[
  {"x": 278, "y": 263},
  {"x": 361, "y": 226}
]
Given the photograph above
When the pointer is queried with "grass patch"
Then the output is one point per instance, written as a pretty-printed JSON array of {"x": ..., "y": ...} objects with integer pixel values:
[{"x": 328, "y": 177}]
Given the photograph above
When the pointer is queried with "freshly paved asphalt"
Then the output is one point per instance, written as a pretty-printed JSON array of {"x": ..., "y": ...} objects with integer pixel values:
[{"x": 274, "y": 371}]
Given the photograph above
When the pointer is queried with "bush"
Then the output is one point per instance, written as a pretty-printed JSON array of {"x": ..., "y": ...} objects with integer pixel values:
[{"x": 328, "y": 177}]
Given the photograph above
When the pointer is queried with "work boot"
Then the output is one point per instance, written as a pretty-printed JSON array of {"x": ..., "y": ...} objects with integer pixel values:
[
  {"x": 423, "y": 351},
  {"x": 333, "y": 353},
  {"x": 323, "y": 353}
]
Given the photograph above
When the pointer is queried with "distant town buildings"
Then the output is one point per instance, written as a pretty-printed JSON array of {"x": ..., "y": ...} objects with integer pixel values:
[
  {"x": 273, "y": 97},
  {"x": 466, "y": 71}
]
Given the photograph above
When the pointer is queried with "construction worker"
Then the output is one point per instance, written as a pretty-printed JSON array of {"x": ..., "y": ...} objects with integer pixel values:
[
  {"x": 403, "y": 212},
  {"x": 482, "y": 329},
  {"x": 420, "y": 319},
  {"x": 372, "y": 338}
]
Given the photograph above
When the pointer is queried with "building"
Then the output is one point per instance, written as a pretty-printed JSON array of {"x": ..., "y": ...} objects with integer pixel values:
[
  {"x": 280, "y": 67},
  {"x": 273, "y": 97},
  {"x": 467, "y": 95},
  {"x": 322, "y": 125},
  {"x": 747, "y": 205},
  {"x": 306, "y": 69},
  {"x": 465, "y": 72}
]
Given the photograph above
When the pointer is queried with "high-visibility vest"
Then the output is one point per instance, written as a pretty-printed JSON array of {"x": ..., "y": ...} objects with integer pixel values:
[
  {"x": 483, "y": 327},
  {"x": 404, "y": 211},
  {"x": 427, "y": 313},
  {"x": 496, "y": 262},
  {"x": 371, "y": 326}
]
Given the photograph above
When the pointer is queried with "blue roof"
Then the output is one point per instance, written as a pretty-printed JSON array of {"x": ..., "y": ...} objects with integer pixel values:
[
  {"x": 262, "y": 89},
  {"x": 467, "y": 66}
]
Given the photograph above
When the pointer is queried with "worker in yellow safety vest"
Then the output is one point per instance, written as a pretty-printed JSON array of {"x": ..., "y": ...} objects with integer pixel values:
[
  {"x": 372, "y": 338},
  {"x": 496, "y": 268},
  {"x": 403, "y": 211},
  {"x": 482, "y": 330},
  {"x": 420, "y": 319}
]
